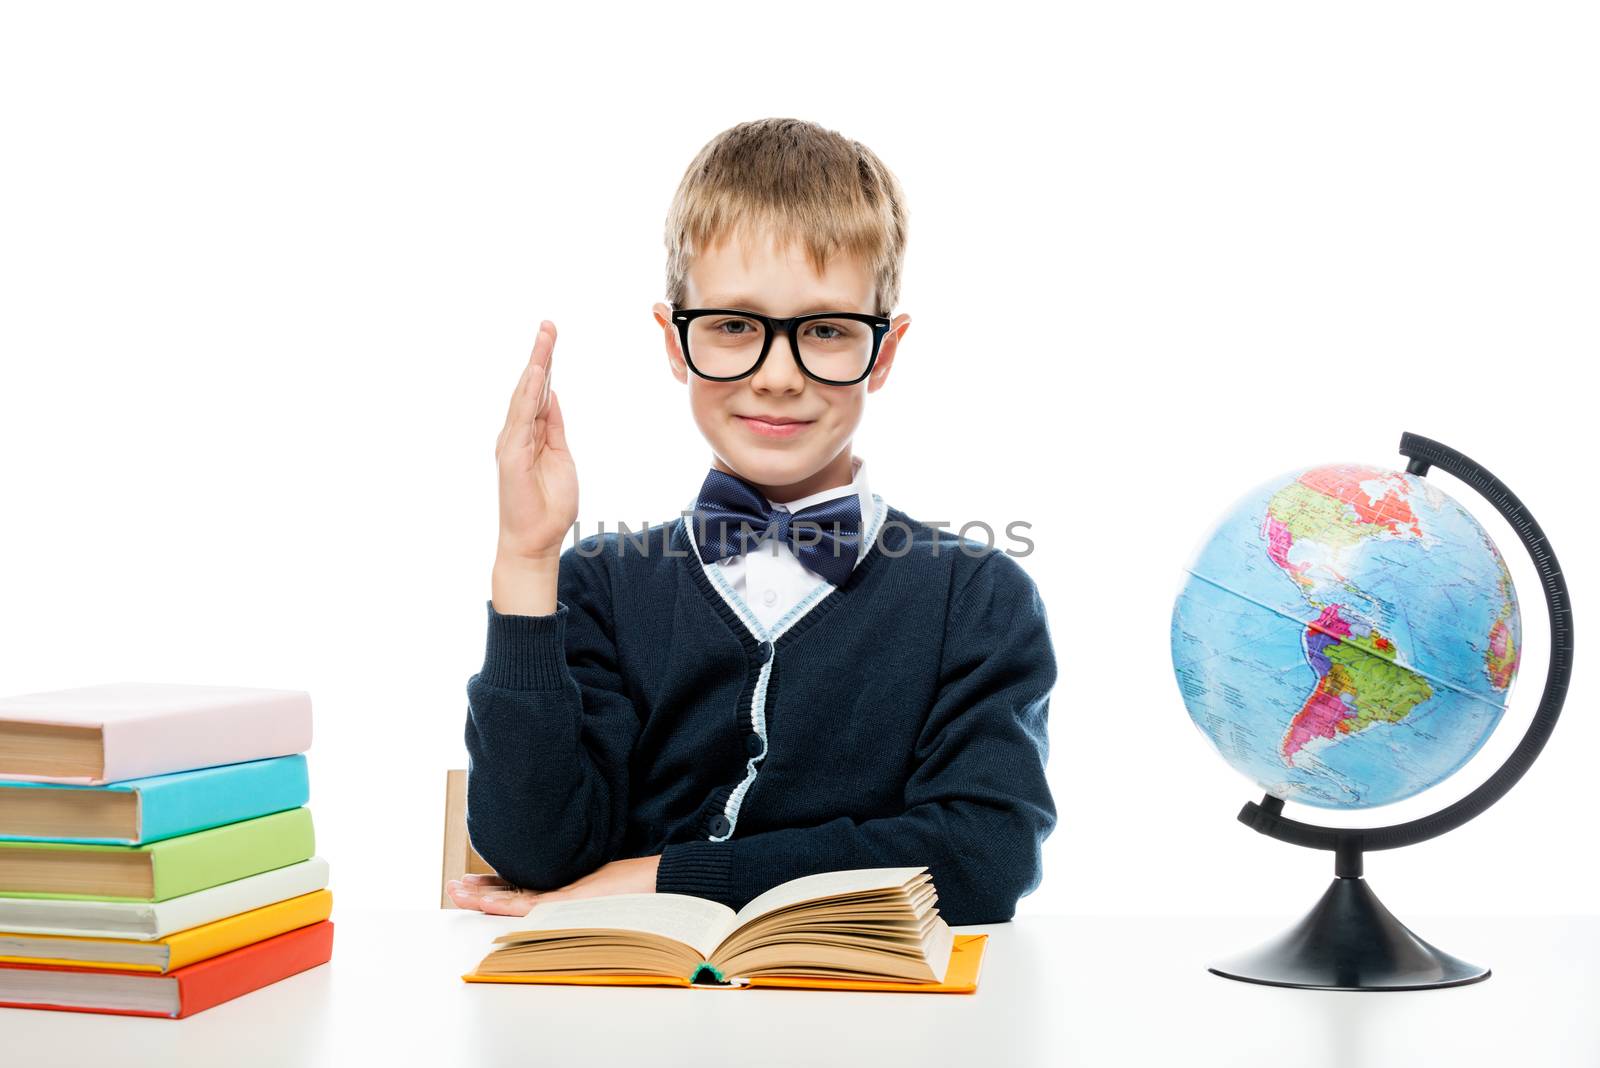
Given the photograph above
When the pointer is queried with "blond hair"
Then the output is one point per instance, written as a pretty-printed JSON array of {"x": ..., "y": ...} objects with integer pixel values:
[{"x": 810, "y": 184}]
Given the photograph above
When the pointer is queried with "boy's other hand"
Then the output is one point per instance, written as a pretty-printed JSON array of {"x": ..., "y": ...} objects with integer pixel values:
[
  {"x": 538, "y": 488},
  {"x": 491, "y": 894}
]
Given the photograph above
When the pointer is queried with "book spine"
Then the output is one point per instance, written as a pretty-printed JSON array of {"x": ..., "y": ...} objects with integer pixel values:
[
  {"x": 254, "y": 728},
  {"x": 247, "y": 928},
  {"x": 80, "y": 1008},
  {"x": 135, "y": 920},
  {"x": 230, "y": 899},
  {"x": 176, "y": 805},
  {"x": 146, "y": 921},
  {"x": 204, "y": 859},
  {"x": 211, "y": 982},
  {"x": 21, "y": 784}
]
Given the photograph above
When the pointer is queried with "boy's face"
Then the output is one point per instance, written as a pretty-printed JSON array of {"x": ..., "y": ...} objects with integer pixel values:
[{"x": 760, "y": 275}]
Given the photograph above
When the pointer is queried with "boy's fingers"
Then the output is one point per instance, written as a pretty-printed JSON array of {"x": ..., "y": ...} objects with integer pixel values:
[
  {"x": 522, "y": 383},
  {"x": 511, "y": 410},
  {"x": 544, "y": 348},
  {"x": 477, "y": 884},
  {"x": 555, "y": 428},
  {"x": 544, "y": 389},
  {"x": 508, "y": 902},
  {"x": 461, "y": 896},
  {"x": 528, "y": 429},
  {"x": 491, "y": 882},
  {"x": 496, "y": 899},
  {"x": 538, "y": 364},
  {"x": 526, "y": 426},
  {"x": 520, "y": 428}
]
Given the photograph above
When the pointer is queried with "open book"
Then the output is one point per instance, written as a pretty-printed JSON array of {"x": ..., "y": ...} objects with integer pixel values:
[{"x": 856, "y": 929}]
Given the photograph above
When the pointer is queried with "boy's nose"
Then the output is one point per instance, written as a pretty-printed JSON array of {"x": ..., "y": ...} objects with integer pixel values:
[{"x": 779, "y": 370}]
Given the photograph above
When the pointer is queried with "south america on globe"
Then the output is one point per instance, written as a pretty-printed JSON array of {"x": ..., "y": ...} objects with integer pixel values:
[{"x": 1347, "y": 636}]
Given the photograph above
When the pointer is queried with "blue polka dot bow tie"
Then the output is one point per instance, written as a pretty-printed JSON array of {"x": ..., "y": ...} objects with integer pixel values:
[{"x": 825, "y": 537}]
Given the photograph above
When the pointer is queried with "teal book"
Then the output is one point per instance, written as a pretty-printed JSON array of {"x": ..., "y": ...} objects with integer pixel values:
[
  {"x": 140, "y": 811},
  {"x": 161, "y": 870}
]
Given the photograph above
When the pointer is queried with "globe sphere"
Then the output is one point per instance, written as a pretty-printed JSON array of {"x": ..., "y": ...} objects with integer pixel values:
[{"x": 1347, "y": 636}]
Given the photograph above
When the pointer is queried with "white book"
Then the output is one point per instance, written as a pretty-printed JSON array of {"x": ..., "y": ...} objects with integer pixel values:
[{"x": 147, "y": 921}]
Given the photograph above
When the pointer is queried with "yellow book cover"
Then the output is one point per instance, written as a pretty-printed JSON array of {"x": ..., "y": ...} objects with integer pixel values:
[{"x": 177, "y": 949}]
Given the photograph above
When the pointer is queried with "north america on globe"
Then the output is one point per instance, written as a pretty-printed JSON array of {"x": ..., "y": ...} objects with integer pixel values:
[{"x": 1347, "y": 637}]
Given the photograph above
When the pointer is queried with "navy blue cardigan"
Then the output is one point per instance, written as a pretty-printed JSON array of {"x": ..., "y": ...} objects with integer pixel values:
[{"x": 900, "y": 721}]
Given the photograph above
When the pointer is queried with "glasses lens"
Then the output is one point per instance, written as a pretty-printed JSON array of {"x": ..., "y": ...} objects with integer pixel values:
[
  {"x": 836, "y": 349},
  {"x": 725, "y": 345}
]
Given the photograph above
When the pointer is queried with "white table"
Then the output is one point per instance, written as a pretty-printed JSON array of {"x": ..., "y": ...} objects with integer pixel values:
[{"x": 1125, "y": 992}]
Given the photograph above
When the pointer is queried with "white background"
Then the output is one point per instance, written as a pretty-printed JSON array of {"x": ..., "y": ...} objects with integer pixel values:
[{"x": 268, "y": 276}]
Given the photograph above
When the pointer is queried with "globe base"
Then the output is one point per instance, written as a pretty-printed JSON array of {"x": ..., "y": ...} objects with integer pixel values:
[{"x": 1349, "y": 941}]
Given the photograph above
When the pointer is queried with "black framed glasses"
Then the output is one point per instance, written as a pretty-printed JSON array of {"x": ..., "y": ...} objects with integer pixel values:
[{"x": 727, "y": 344}]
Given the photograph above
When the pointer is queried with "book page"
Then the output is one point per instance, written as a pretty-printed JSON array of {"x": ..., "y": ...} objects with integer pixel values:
[
  {"x": 693, "y": 921},
  {"x": 824, "y": 884}
]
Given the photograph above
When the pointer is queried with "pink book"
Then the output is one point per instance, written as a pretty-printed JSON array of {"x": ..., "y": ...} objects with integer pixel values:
[{"x": 128, "y": 730}]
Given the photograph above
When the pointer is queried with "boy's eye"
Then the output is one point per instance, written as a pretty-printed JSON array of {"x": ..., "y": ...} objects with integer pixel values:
[
  {"x": 735, "y": 327},
  {"x": 844, "y": 330}
]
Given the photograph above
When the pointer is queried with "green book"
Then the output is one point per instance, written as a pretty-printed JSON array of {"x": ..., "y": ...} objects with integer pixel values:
[{"x": 160, "y": 870}]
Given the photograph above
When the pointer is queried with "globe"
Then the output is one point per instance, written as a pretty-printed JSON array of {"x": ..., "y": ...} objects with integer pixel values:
[{"x": 1347, "y": 636}]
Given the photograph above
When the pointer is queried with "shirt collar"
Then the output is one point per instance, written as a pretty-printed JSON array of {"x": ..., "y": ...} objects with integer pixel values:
[{"x": 857, "y": 485}]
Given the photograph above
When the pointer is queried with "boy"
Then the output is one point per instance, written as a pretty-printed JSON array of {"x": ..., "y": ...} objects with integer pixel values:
[{"x": 698, "y": 710}]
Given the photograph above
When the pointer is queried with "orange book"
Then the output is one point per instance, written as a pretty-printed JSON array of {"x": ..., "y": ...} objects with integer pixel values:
[
  {"x": 863, "y": 929},
  {"x": 184, "y": 992}
]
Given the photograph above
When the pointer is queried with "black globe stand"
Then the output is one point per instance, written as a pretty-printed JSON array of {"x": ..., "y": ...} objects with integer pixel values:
[{"x": 1349, "y": 941}]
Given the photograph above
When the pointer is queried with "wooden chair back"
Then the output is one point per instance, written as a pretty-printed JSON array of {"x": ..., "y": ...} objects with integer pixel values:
[{"x": 459, "y": 856}]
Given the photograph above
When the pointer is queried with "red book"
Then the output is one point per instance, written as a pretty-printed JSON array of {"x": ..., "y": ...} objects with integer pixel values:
[{"x": 183, "y": 992}]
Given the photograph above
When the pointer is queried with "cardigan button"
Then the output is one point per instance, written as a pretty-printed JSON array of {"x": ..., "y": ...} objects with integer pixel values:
[
  {"x": 719, "y": 826},
  {"x": 765, "y": 654},
  {"x": 752, "y": 744}
]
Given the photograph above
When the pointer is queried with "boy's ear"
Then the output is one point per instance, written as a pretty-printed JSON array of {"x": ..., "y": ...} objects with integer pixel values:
[
  {"x": 680, "y": 370},
  {"x": 886, "y": 352}
]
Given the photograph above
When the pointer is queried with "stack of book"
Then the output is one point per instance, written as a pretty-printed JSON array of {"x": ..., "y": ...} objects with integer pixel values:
[{"x": 156, "y": 854}]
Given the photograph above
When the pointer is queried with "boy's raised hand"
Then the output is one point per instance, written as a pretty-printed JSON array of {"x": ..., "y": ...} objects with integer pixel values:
[{"x": 538, "y": 488}]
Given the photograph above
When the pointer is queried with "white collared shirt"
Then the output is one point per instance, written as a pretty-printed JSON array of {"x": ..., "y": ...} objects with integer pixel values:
[{"x": 770, "y": 578}]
